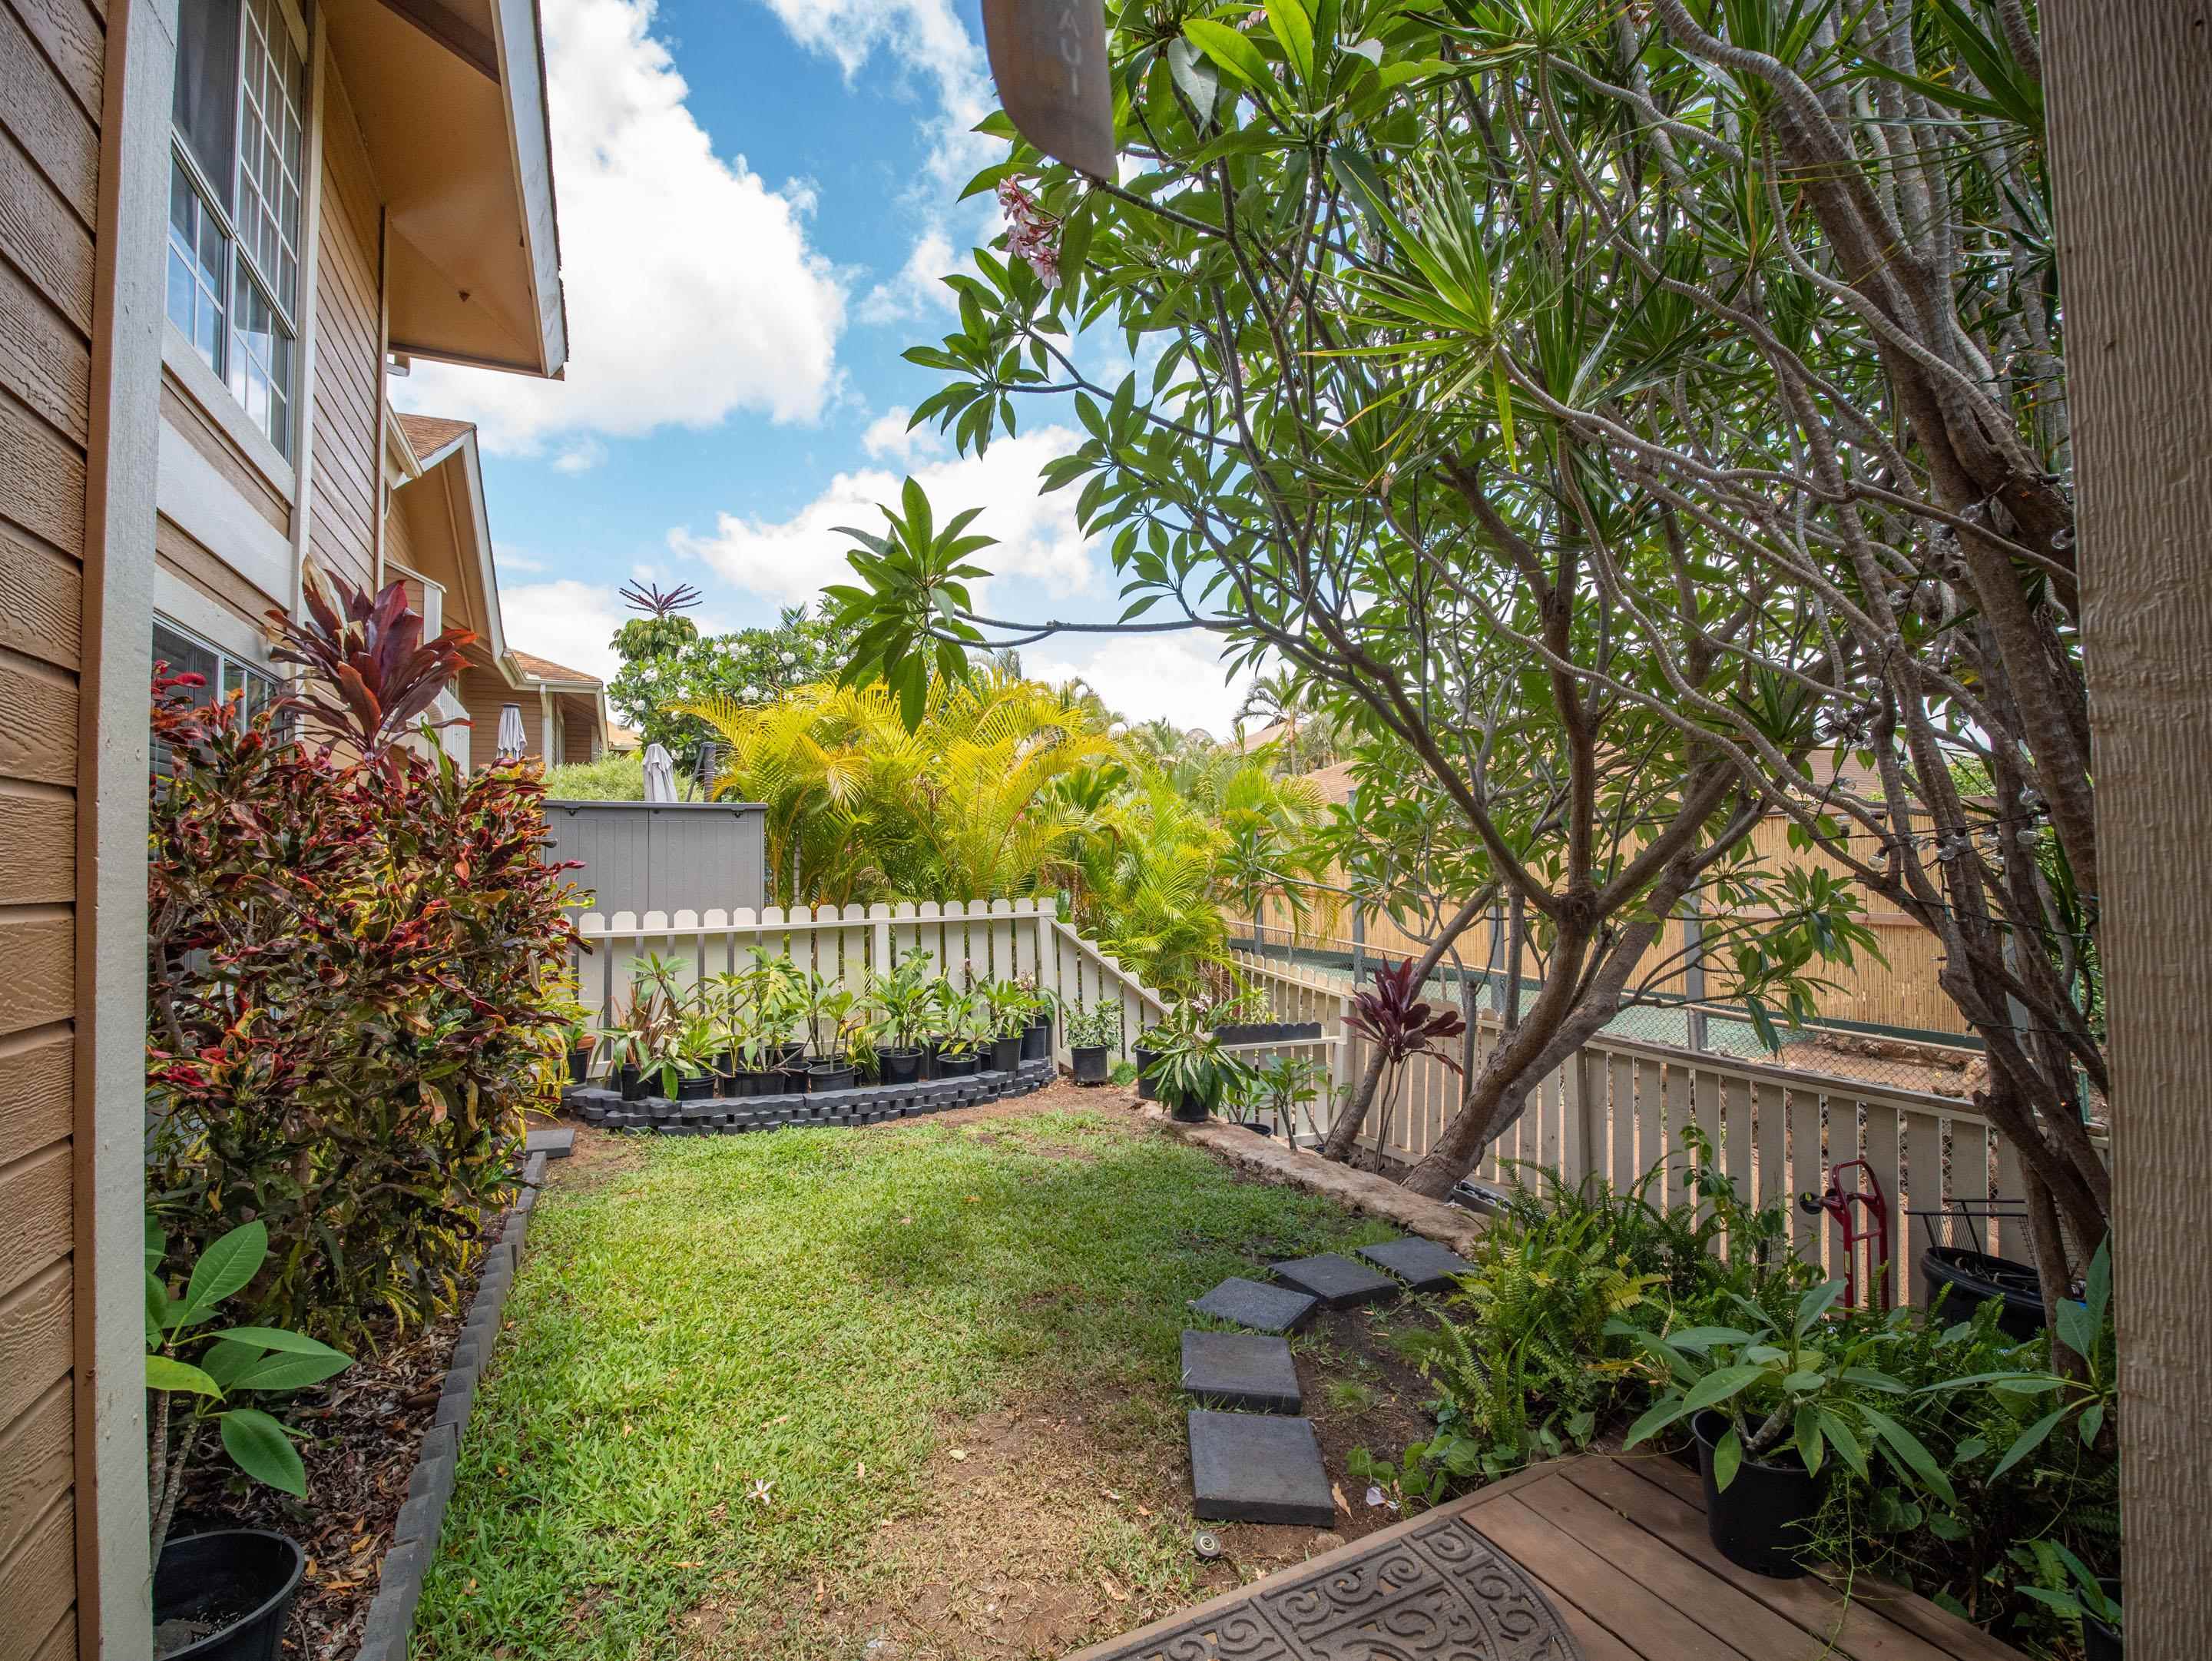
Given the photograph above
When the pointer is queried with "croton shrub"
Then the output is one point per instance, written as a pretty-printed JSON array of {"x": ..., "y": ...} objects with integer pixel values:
[{"x": 355, "y": 955}]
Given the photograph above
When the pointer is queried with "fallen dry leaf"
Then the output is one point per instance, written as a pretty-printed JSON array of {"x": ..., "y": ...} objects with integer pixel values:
[
  {"x": 1112, "y": 1590},
  {"x": 960, "y": 1453},
  {"x": 1110, "y": 1494}
]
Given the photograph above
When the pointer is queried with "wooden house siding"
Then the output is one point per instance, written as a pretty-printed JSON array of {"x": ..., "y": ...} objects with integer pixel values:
[
  {"x": 182, "y": 412},
  {"x": 348, "y": 466},
  {"x": 185, "y": 557},
  {"x": 53, "y": 57},
  {"x": 579, "y": 721}
]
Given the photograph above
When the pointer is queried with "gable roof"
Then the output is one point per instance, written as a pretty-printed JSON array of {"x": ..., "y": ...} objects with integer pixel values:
[
  {"x": 540, "y": 668},
  {"x": 428, "y": 434}
]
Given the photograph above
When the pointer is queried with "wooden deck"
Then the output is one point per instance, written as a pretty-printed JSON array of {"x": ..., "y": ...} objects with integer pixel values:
[{"x": 1618, "y": 1545}]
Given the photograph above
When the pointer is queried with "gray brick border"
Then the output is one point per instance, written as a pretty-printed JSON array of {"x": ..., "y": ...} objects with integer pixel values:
[{"x": 390, "y": 1625}]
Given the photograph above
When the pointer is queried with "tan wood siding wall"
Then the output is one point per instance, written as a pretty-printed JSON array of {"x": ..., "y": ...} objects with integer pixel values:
[
  {"x": 52, "y": 54},
  {"x": 400, "y": 541},
  {"x": 483, "y": 693},
  {"x": 183, "y": 411},
  {"x": 184, "y": 555},
  {"x": 579, "y": 723},
  {"x": 349, "y": 354}
]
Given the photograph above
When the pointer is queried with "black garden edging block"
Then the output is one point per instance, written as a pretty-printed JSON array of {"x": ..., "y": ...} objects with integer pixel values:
[
  {"x": 391, "y": 1620},
  {"x": 863, "y": 1105}
]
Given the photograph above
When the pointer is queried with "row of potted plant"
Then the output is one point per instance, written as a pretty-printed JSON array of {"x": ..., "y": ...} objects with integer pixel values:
[
  {"x": 774, "y": 1027},
  {"x": 1187, "y": 1061}
]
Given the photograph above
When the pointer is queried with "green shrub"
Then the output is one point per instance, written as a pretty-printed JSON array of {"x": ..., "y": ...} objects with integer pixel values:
[
  {"x": 618, "y": 777},
  {"x": 354, "y": 959}
]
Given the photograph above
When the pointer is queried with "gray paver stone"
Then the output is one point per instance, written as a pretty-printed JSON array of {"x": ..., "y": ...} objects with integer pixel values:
[
  {"x": 1336, "y": 1280},
  {"x": 1251, "y": 1370},
  {"x": 1422, "y": 1264},
  {"x": 1257, "y": 1305},
  {"x": 1258, "y": 1468}
]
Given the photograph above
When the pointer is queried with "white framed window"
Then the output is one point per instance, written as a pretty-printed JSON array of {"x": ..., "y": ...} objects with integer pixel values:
[
  {"x": 225, "y": 673},
  {"x": 237, "y": 170}
]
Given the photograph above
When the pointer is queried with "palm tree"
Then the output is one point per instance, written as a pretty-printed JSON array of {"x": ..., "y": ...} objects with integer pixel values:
[{"x": 963, "y": 807}]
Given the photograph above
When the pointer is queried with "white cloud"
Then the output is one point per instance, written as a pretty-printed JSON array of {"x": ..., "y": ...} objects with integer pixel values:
[
  {"x": 509, "y": 560},
  {"x": 572, "y": 623},
  {"x": 887, "y": 436},
  {"x": 580, "y": 457},
  {"x": 789, "y": 561},
  {"x": 920, "y": 284},
  {"x": 1146, "y": 677},
  {"x": 693, "y": 290},
  {"x": 929, "y": 42}
]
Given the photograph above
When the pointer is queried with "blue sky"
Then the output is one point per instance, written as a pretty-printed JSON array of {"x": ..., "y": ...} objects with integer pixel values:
[{"x": 757, "y": 199}]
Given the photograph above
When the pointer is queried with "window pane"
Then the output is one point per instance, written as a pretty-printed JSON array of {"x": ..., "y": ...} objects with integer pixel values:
[
  {"x": 185, "y": 655},
  {"x": 269, "y": 164},
  {"x": 205, "y": 107},
  {"x": 261, "y": 362},
  {"x": 197, "y": 258}
]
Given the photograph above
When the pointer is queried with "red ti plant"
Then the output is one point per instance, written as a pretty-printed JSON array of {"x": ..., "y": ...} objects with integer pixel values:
[
  {"x": 354, "y": 954},
  {"x": 370, "y": 672},
  {"x": 1393, "y": 1017}
]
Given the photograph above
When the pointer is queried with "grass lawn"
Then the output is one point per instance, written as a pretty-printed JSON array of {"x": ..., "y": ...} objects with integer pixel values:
[{"x": 891, "y": 1393}]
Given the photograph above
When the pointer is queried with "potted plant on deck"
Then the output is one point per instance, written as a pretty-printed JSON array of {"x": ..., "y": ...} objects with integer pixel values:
[
  {"x": 1093, "y": 1032},
  {"x": 222, "y": 1595},
  {"x": 1768, "y": 1405}
]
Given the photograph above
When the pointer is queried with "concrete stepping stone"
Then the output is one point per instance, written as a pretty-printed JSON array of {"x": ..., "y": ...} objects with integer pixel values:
[
  {"x": 558, "y": 1143},
  {"x": 1257, "y": 1305},
  {"x": 1421, "y": 1264},
  {"x": 1336, "y": 1280},
  {"x": 1248, "y": 1370},
  {"x": 1258, "y": 1468}
]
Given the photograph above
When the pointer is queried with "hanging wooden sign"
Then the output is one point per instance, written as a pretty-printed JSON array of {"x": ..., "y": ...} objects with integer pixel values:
[{"x": 1048, "y": 58}]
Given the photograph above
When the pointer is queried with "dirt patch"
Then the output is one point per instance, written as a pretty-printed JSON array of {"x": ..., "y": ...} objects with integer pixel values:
[
  {"x": 1361, "y": 1393},
  {"x": 1003, "y": 1557}
]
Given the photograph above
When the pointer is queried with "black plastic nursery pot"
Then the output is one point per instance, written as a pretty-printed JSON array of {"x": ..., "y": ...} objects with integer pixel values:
[
  {"x": 2101, "y": 1641},
  {"x": 829, "y": 1075},
  {"x": 634, "y": 1085},
  {"x": 1005, "y": 1053},
  {"x": 1144, "y": 1059},
  {"x": 697, "y": 1088},
  {"x": 958, "y": 1067},
  {"x": 1973, "y": 1278},
  {"x": 1037, "y": 1039},
  {"x": 224, "y": 1596},
  {"x": 579, "y": 1063},
  {"x": 899, "y": 1066},
  {"x": 1091, "y": 1064},
  {"x": 1759, "y": 1523}
]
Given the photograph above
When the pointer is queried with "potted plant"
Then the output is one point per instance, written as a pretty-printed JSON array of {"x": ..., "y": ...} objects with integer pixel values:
[
  {"x": 580, "y": 1041},
  {"x": 1149, "y": 1041},
  {"x": 1009, "y": 1007},
  {"x": 906, "y": 999},
  {"x": 222, "y": 1595},
  {"x": 1093, "y": 1032},
  {"x": 965, "y": 1028},
  {"x": 1282, "y": 1087},
  {"x": 2092, "y": 1599},
  {"x": 1194, "y": 1076},
  {"x": 1037, "y": 1036},
  {"x": 835, "y": 1017},
  {"x": 698, "y": 1057},
  {"x": 1767, "y": 1405}
]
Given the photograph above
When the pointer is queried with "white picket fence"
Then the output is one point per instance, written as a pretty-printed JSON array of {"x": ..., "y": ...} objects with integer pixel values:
[
  {"x": 980, "y": 939},
  {"x": 1618, "y": 1107}
]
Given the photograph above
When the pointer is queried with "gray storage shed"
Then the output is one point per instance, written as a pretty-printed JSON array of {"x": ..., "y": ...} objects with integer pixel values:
[{"x": 663, "y": 855}]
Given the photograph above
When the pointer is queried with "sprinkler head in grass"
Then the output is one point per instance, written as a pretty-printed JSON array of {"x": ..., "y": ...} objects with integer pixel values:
[{"x": 1207, "y": 1546}]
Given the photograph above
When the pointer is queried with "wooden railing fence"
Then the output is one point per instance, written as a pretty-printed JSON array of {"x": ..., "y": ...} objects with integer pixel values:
[
  {"x": 1616, "y": 1110},
  {"x": 982, "y": 940}
]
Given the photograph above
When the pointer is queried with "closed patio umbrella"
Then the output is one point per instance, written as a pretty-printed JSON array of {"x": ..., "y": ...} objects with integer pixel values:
[
  {"x": 511, "y": 740},
  {"x": 659, "y": 774}
]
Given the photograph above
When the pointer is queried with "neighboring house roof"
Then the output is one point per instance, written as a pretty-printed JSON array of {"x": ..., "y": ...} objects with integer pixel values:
[
  {"x": 429, "y": 435},
  {"x": 624, "y": 738},
  {"x": 545, "y": 669}
]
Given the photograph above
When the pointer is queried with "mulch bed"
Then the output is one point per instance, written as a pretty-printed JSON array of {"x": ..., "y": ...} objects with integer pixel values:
[{"x": 366, "y": 1426}]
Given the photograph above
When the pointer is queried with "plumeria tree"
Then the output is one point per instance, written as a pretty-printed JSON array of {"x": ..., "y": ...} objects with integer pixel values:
[
  {"x": 1330, "y": 281},
  {"x": 748, "y": 667}
]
